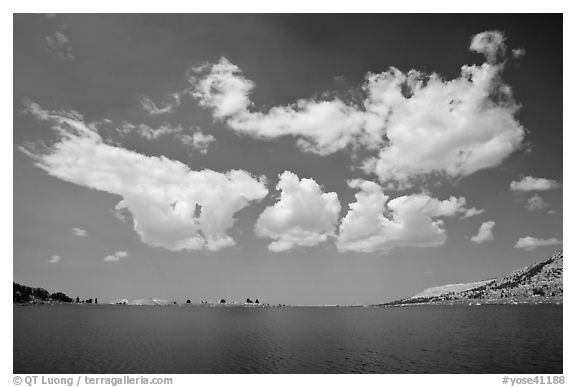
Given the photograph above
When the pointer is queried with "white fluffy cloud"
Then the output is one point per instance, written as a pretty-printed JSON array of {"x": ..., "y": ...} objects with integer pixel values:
[
  {"x": 79, "y": 232},
  {"x": 453, "y": 128},
  {"x": 484, "y": 233},
  {"x": 116, "y": 256},
  {"x": 536, "y": 203},
  {"x": 171, "y": 206},
  {"x": 374, "y": 224},
  {"x": 224, "y": 89},
  {"x": 529, "y": 243},
  {"x": 321, "y": 126},
  {"x": 420, "y": 124},
  {"x": 303, "y": 215},
  {"x": 489, "y": 43},
  {"x": 55, "y": 259},
  {"x": 530, "y": 183}
]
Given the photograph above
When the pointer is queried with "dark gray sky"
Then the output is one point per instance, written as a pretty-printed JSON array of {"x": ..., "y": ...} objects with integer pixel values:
[{"x": 99, "y": 98}]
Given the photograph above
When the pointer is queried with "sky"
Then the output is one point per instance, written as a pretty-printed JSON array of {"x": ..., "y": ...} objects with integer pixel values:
[{"x": 294, "y": 159}]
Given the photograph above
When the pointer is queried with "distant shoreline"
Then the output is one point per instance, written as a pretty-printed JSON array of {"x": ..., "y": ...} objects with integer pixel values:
[
  {"x": 535, "y": 302},
  {"x": 538, "y": 284}
]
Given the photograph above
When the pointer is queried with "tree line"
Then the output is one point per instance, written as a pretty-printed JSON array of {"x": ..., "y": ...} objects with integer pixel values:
[{"x": 25, "y": 294}]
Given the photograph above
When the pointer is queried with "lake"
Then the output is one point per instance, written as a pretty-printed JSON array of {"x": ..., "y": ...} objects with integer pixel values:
[{"x": 194, "y": 339}]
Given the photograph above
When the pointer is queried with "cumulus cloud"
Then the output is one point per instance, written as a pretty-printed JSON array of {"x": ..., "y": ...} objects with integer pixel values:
[
  {"x": 55, "y": 259},
  {"x": 530, "y": 183},
  {"x": 116, "y": 256},
  {"x": 453, "y": 128},
  {"x": 484, "y": 233},
  {"x": 79, "y": 232},
  {"x": 374, "y": 224},
  {"x": 162, "y": 195},
  {"x": 529, "y": 243},
  {"x": 304, "y": 215},
  {"x": 489, "y": 43},
  {"x": 536, "y": 203},
  {"x": 419, "y": 123},
  {"x": 322, "y": 126}
]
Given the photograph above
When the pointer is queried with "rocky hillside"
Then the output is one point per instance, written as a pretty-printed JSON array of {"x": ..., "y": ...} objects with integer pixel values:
[{"x": 534, "y": 284}]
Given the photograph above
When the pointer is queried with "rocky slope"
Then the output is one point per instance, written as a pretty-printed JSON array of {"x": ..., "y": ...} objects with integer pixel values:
[{"x": 535, "y": 284}]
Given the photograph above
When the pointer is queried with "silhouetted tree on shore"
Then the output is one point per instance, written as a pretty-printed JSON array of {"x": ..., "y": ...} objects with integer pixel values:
[
  {"x": 27, "y": 294},
  {"x": 61, "y": 297}
]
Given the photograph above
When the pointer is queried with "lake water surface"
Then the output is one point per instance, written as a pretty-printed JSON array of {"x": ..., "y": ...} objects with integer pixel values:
[{"x": 192, "y": 339}]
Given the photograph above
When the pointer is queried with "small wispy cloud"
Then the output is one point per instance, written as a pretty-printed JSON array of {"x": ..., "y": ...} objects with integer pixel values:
[
  {"x": 191, "y": 137},
  {"x": 198, "y": 141},
  {"x": 111, "y": 258},
  {"x": 484, "y": 233},
  {"x": 529, "y": 243},
  {"x": 59, "y": 43},
  {"x": 530, "y": 183},
  {"x": 116, "y": 256},
  {"x": 518, "y": 52},
  {"x": 55, "y": 259},
  {"x": 536, "y": 203},
  {"x": 79, "y": 231},
  {"x": 121, "y": 213},
  {"x": 470, "y": 212},
  {"x": 148, "y": 132},
  {"x": 167, "y": 107}
]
